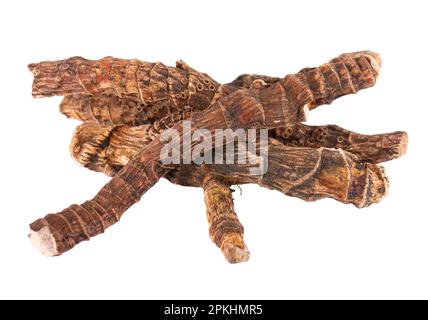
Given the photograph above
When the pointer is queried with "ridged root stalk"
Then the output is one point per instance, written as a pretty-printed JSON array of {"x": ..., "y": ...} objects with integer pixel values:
[
  {"x": 101, "y": 92},
  {"x": 224, "y": 227}
]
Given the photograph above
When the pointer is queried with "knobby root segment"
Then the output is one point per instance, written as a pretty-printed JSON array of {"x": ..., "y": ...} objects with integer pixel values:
[{"x": 224, "y": 227}]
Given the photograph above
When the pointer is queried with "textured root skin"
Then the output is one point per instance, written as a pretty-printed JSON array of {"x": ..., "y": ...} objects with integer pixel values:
[
  {"x": 106, "y": 149},
  {"x": 278, "y": 177},
  {"x": 317, "y": 173},
  {"x": 42, "y": 238},
  {"x": 108, "y": 110},
  {"x": 151, "y": 92},
  {"x": 323, "y": 173},
  {"x": 245, "y": 80},
  {"x": 241, "y": 109},
  {"x": 152, "y": 84},
  {"x": 369, "y": 148},
  {"x": 90, "y": 149},
  {"x": 224, "y": 227},
  {"x": 346, "y": 74}
]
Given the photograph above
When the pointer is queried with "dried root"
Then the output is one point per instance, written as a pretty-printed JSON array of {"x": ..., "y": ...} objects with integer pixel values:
[
  {"x": 224, "y": 227},
  {"x": 125, "y": 104}
]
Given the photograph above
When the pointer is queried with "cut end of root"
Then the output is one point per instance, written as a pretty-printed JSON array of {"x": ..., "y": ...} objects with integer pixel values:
[
  {"x": 374, "y": 58},
  {"x": 44, "y": 241},
  {"x": 235, "y": 254},
  {"x": 234, "y": 249},
  {"x": 378, "y": 185},
  {"x": 375, "y": 61}
]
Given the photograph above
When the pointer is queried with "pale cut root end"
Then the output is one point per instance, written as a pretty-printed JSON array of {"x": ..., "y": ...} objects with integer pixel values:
[
  {"x": 44, "y": 241},
  {"x": 234, "y": 249}
]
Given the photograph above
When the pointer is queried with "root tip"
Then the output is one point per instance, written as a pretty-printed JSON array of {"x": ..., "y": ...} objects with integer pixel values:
[
  {"x": 44, "y": 241},
  {"x": 235, "y": 254}
]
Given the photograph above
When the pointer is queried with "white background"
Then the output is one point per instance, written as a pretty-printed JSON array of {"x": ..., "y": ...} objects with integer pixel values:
[{"x": 161, "y": 248}]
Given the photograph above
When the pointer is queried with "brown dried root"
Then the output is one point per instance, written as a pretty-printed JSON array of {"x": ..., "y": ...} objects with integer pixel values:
[
  {"x": 90, "y": 149},
  {"x": 108, "y": 110},
  {"x": 316, "y": 173},
  {"x": 224, "y": 227},
  {"x": 281, "y": 156},
  {"x": 369, "y": 148},
  {"x": 107, "y": 149},
  {"x": 164, "y": 92},
  {"x": 283, "y": 103}
]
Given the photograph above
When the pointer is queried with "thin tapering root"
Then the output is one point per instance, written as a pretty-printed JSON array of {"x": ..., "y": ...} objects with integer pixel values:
[{"x": 224, "y": 227}]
